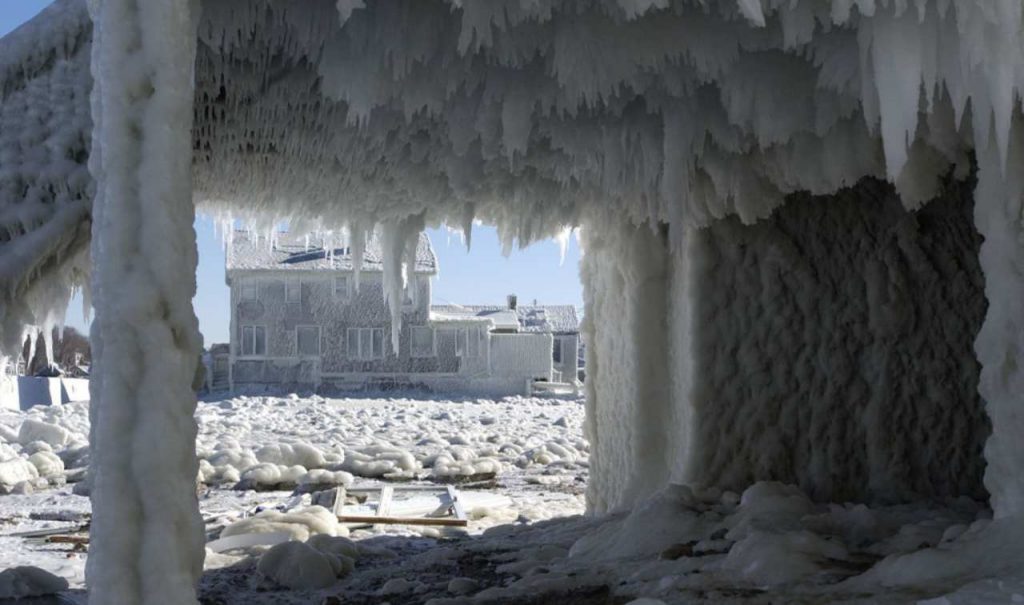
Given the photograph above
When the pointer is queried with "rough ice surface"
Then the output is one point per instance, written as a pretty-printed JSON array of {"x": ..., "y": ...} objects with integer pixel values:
[
  {"x": 641, "y": 121},
  {"x": 147, "y": 537}
]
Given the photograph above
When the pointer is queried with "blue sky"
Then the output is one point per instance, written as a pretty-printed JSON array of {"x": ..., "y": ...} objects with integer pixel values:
[{"x": 481, "y": 276}]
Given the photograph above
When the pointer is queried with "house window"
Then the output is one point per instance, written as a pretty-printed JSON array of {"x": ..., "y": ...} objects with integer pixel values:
[
  {"x": 365, "y": 344},
  {"x": 422, "y": 342},
  {"x": 249, "y": 290},
  {"x": 469, "y": 343},
  {"x": 307, "y": 341},
  {"x": 556, "y": 350},
  {"x": 254, "y": 340},
  {"x": 292, "y": 291},
  {"x": 341, "y": 288}
]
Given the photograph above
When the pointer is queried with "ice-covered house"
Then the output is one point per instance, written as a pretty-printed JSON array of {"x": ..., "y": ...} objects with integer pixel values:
[
  {"x": 306, "y": 312},
  {"x": 802, "y": 221}
]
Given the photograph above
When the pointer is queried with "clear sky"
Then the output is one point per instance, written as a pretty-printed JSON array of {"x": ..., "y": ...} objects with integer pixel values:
[{"x": 481, "y": 276}]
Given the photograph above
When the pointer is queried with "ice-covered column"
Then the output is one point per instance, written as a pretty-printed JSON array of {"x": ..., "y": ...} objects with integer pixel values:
[
  {"x": 147, "y": 535},
  {"x": 1000, "y": 343},
  {"x": 629, "y": 416}
]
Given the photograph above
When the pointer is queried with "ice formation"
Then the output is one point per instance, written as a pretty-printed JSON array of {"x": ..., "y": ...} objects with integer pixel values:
[{"x": 665, "y": 129}]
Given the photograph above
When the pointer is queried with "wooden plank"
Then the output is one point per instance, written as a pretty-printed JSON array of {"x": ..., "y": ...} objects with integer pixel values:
[
  {"x": 369, "y": 489},
  {"x": 372, "y": 520},
  {"x": 68, "y": 539},
  {"x": 42, "y": 533},
  {"x": 339, "y": 500},
  {"x": 457, "y": 509},
  {"x": 384, "y": 507}
]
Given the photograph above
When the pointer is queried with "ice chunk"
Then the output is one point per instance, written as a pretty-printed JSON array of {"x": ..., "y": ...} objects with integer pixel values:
[
  {"x": 299, "y": 566},
  {"x": 37, "y": 430},
  {"x": 13, "y": 472}
]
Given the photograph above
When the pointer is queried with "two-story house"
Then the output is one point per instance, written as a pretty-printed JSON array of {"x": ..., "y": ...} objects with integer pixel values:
[{"x": 300, "y": 318}]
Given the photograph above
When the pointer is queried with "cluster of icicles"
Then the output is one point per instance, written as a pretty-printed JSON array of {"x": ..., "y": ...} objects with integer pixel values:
[{"x": 541, "y": 114}]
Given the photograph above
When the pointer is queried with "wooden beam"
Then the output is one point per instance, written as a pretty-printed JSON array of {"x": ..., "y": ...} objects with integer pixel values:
[{"x": 372, "y": 520}]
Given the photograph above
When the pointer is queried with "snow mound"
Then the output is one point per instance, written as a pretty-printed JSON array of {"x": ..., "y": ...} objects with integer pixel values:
[
  {"x": 300, "y": 524},
  {"x": 37, "y": 430},
  {"x": 23, "y": 582},
  {"x": 299, "y": 566},
  {"x": 16, "y": 471}
]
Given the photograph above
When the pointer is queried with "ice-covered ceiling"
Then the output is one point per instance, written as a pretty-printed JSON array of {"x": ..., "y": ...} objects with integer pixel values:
[{"x": 531, "y": 113}]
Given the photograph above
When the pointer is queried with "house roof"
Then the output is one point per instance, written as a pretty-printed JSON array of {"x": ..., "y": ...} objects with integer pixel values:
[
  {"x": 558, "y": 319},
  {"x": 294, "y": 252}
]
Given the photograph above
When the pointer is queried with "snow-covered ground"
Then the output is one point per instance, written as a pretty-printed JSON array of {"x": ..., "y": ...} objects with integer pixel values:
[
  {"x": 264, "y": 458},
  {"x": 265, "y": 452}
]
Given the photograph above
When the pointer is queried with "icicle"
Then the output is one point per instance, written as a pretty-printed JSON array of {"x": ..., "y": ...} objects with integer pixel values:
[
  {"x": 562, "y": 239},
  {"x": 468, "y": 214},
  {"x": 48, "y": 342},
  {"x": 32, "y": 338},
  {"x": 752, "y": 10},
  {"x": 396, "y": 239},
  {"x": 345, "y": 9},
  {"x": 898, "y": 64},
  {"x": 357, "y": 247}
]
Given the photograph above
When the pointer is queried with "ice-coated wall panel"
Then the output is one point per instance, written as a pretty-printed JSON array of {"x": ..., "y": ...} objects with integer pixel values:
[
  {"x": 526, "y": 355},
  {"x": 834, "y": 348}
]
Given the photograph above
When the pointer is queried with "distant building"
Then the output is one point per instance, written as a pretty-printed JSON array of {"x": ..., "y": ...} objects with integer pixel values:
[{"x": 298, "y": 320}]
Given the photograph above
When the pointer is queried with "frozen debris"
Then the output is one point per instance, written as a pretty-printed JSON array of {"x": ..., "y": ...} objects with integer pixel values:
[
  {"x": 397, "y": 586},
  {"x": 767, "y": 558},
  {"x": 48, "y": 465},
  {"x": 321, "y": 479},
  {"x": 300, "y": 524},
  {"x": 463, "y": 586},
  {"x": 299, "y": 566},
  {"x": 245, "y": 542},
  {"x": 23, "y": 582},
  {"x": 51, "y": 434},
  {"x": 15, "y": 472}
]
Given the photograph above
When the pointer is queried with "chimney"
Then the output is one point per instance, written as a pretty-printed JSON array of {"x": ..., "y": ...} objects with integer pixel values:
[{"x": 512, "y": 302}]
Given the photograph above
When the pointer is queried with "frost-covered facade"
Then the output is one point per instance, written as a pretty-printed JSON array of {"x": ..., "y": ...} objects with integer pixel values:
[
  {"x": 802, "y": 222},
  {"x": 306, "y": 314}
]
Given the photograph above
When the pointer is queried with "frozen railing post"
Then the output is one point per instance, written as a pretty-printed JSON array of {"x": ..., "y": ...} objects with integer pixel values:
[{"x": 147, "y": 535}]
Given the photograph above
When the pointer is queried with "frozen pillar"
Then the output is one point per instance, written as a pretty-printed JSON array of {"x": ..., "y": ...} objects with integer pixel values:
[
  {"x": 628, "y": 423},
  {"x": 1000, "y": 343},
  {"x": 147, "y": 535}
]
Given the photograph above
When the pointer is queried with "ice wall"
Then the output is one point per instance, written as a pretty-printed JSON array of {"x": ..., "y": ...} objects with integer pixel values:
[
  {"x": 829, "y": 345},
  {"x": 835, "y": 348}
]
